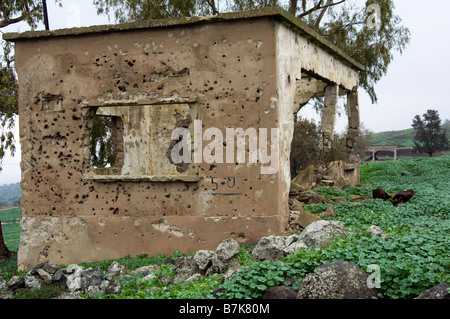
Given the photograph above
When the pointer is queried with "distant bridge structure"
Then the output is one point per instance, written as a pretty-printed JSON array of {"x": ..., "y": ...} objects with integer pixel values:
[{"x": 374, "y": 149}]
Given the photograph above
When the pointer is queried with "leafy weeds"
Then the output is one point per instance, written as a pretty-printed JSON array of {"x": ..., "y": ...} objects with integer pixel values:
[{"x": 415, "y": 256}]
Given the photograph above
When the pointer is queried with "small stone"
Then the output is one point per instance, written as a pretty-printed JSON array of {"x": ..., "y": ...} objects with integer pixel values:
[
  {"x": 148, "y": 277},
  {"x": 329, "y": 212},
  {"x": 33, "y": 282},
  {"x": 227, "y": 249},
  {"x": 194, "y": 277},
  {"x": 3, "y": 283},
  {"x": 94, "y": 291},
  {"x": 376, "y": 231},
  {"x": 16, "y": 282},
  {"x": 184, "y": 268},
  {"x": 304, "y": 219},
  {"x": 60, "y": 277},
  {"x": 318, "y": 233},
  {"x": 115, "y": 269},
  {"x": 145, "y": 270},
  {"x": 203, "y": 258},
  {"x": 166, "y": 280},
  {"x": 48, "y": 278},
  {"x": 113, "y": 287}
]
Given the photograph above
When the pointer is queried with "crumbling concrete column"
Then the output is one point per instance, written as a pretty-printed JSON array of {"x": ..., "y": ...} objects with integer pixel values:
[
  {"x": 329, "y": 116},
  {"x": 353, "y": 125}
]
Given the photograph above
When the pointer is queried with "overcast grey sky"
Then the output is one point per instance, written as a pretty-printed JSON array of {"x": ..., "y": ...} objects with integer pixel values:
[{"x": 416, "y": 81}]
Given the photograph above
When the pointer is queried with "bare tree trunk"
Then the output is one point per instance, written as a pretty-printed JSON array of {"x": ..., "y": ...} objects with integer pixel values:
[{"x": 5, "y": 253}]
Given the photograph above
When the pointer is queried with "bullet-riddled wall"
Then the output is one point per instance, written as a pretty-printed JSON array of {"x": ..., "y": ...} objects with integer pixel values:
[{"x": 204, "y": 75}]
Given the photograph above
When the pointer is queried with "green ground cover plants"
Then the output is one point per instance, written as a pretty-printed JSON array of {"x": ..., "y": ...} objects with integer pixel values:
[{"x": 415, "y": 256}]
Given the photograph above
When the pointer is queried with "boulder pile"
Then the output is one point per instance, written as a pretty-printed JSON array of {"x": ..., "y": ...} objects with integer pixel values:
[{"x": 337, "y": 280}]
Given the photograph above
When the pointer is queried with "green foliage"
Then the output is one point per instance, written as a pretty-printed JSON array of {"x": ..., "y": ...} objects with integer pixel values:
[
  {"x": 8, "y": 102},
  {"x": 429, "y": 137},
  {"x": 29, "y": 11},
  {"x": 45, "y": 292},
  {"x": 304, "y": 145},
  {"x": 12, "y": 12},
  {"x": 10, "y": 227},
  {"x": 413, "y": 258},
  {"x": 401, "y": 138},
  {"x": 132, "y": 263},
  {"x": 8, "y": 268},
  {"x": 256, "y": 278},
  {"x": 346, "y": 27},
  {"x": 137, "y": 10},
  {"x": 158, "y": 288},
  {"x": 9, "y": 194},
  {"x": 102, "y": 148}
]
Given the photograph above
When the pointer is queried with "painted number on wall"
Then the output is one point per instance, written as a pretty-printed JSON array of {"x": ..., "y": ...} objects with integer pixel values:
[{"x": 224, "y": 186}]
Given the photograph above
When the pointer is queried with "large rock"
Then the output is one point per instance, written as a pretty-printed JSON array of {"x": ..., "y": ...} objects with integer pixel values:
[
  {"x": 304, "y": 219},
  {"x": 329, "y": 212},
  {"x": 81, "y": 279},
  {"x": 33, "y": 282},
  {"x": 306, "y": 195},
  {"x": 227, "y": 249},
  {"x": 184, "y": 268},
  {"x": 295, "y": 205},
  {"x": 337, "y": 280},
  {"x": 207, "y": 262},
  {"x": 438, "y": 292},
  {"x": 16, "y": 282},
  {"x": 115, "y": 269},
  {"x": 281, "y": 292},
  {"x": 145, "y": 270},
  {"x": 203, "y": 258},
  {"x": 276, "y": 247},
  {"x": 269, "y": 248},
  {"x": 293, "y": 243},
  {"x": 306, "y": 177},
  {"x": 320, "y": 232}
]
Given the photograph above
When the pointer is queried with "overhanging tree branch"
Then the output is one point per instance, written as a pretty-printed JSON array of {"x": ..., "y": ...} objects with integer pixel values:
[
  {"x": 28, "y": 13},
  {"x": 322, "y": 13},
  {"x": 319, "y": 6},
  {"x": 212, "y": 4}
]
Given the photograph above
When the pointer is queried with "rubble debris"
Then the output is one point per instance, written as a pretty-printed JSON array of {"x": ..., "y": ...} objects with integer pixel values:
[{"x": 305, "y": 195}]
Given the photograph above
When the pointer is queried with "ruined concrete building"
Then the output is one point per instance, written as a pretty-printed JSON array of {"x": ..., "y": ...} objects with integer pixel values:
[{"x": 236, "y": 70}]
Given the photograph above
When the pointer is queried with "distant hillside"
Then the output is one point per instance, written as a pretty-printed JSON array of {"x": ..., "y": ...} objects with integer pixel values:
[
  {"x": 403, "y": 138},
  {"x": 9, "y": 194}
]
